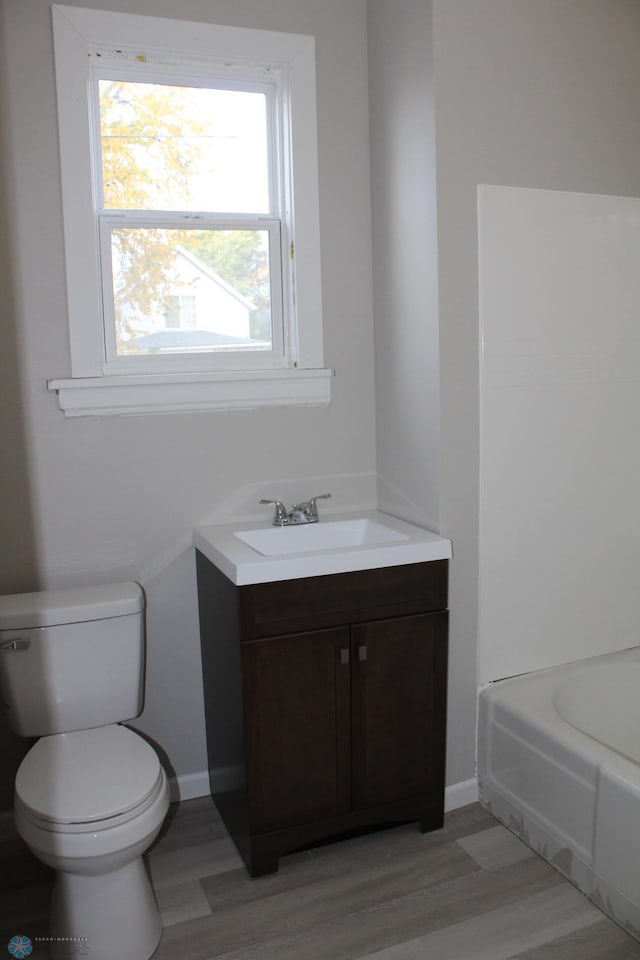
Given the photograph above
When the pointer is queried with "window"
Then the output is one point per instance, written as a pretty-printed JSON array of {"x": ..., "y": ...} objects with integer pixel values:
[
  {"x": 203, "y": 156},
  {"x": 180, "y": 311},
  {"x": 190, "y": 200}
]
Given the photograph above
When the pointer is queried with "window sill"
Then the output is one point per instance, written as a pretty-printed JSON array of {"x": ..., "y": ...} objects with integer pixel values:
[{"x": 189, "y": 393}]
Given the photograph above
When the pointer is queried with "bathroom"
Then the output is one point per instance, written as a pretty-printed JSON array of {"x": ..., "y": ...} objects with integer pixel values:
[{"x": 533, "y": 94}]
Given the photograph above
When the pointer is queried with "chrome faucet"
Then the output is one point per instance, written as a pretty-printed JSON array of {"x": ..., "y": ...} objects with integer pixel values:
[{"x": 305, "y": 512}]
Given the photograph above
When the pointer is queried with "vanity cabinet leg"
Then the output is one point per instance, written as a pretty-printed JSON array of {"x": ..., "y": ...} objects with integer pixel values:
[
  {"x": 262, "y": 863},
  {"x": 431, "y": 822}
]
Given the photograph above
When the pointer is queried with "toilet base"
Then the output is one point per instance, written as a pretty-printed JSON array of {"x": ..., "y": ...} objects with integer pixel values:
[{"x": 104, "y": 916}]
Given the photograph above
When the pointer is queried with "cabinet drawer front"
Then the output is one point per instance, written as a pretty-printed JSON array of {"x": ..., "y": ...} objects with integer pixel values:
[{"x": 269, "y": 609}]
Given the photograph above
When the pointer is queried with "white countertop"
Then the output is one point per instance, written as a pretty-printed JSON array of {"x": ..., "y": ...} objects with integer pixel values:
[{"x": 243, "y": 564}]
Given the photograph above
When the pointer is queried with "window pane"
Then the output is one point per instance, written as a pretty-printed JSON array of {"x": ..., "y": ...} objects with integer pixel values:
[
  {"x": 183, "y": 148},
  {"x": 190, "y": 291}
]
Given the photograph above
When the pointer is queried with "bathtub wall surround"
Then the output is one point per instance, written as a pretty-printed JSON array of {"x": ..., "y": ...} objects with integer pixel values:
[
  {"x": 559, "y": 764},
  {"x": 559, "y": 558}
]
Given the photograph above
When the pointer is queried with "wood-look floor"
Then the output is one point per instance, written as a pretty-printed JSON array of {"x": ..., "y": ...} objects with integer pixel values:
[{"x": 471, "y": 891}]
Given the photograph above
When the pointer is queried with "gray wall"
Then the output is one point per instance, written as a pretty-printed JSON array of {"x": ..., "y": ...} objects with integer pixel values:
[
  {"x": 403, "y": 191},
  {"x": 100, "y": 499}
]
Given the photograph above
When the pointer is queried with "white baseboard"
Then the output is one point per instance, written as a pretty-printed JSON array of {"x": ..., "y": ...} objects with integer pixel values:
[
  {"x": 188, "y": 786},
  {"x": 192, "y": 785},
  {"x": 461, "y": 794}
]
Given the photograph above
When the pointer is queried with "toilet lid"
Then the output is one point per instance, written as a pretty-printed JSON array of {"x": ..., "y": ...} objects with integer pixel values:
[{"x": 87, "y": 775}]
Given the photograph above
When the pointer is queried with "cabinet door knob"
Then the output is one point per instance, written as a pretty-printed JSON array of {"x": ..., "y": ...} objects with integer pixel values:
[
  {"x": 362, "y": 652},
  {"x": 344, "y": 655}
]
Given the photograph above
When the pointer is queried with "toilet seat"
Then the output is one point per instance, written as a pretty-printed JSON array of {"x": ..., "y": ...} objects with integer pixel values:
[{"x": 88, "y": 780}]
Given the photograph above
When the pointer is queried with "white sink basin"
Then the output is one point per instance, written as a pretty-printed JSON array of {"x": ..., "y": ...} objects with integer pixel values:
[
  {"x": 248, "y": 554},
  {"x": 307, "y": 538}
]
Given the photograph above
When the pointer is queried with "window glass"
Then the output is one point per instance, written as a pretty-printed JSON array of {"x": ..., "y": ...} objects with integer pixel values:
[
  {"x": 183, "y": 148},
  {"x": 189, "y": 291}
]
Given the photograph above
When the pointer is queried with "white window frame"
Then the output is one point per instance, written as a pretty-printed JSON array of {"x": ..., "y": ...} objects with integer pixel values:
[{"x": 92, "y": 388}]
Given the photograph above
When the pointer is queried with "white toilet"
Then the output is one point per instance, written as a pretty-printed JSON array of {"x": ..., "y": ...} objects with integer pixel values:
[{"x": 91, "y": 795}]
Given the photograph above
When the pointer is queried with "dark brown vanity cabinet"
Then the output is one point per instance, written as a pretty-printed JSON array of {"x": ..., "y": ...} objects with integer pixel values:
[{"x": 325, "y": 700}]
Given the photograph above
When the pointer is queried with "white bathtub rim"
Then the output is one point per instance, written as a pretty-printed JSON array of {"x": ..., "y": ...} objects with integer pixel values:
[
  {"x": 577, "y": 703},
  {"x": 529, "y": 696}
]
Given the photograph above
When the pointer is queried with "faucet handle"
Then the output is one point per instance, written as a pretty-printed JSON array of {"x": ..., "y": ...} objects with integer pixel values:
[
  {"x": 312, "y": 508},
  {"x": 280, "y": 516}
]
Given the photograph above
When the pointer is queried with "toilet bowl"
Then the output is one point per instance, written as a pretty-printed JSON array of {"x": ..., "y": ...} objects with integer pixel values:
[
  {"x": 91, "y": 794},
  {"x": 91, "y": 817}
]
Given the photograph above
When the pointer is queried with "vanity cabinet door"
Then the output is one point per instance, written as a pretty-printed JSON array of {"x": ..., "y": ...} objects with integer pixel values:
[
  {"x": 399, "y": 682},
  {"x": 297, "y": 728}
]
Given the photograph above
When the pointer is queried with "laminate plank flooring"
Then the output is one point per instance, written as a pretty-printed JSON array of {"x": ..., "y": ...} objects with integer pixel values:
[{"x": 471, "y": 891}]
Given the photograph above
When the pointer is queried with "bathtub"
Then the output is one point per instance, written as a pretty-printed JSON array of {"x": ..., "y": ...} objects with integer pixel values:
[{"x": 559, "y": 764}]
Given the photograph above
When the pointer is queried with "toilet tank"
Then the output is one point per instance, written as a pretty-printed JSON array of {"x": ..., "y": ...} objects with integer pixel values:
[{"x": 72, "y": 659}]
